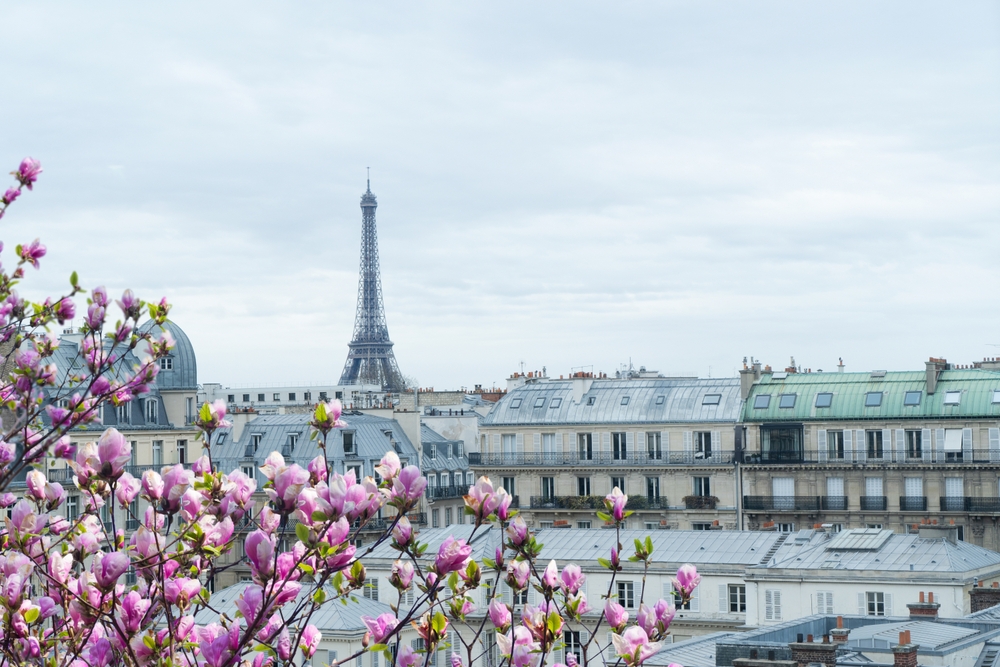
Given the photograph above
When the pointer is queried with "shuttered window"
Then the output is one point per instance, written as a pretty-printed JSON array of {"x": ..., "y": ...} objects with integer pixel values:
[{"x": 772, "y": 605}]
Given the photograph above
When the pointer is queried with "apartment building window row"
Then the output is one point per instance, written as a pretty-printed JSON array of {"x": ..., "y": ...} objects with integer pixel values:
[{"x": 941, "y": 445}]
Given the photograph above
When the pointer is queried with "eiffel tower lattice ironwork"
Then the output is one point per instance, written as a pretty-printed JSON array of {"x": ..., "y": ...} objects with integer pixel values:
[{"x": 370, "y": 359}]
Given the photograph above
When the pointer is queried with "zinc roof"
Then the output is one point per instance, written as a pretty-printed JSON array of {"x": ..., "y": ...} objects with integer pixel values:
[
  {"x": 649, "y": 400},
  {"x": 976, "y": 387},
  {"x": 928, "y": 635},
  {"x": 332, "y": 616},
  {"x": 896, "y": 554},
  {"x": 695, "y": 652}
]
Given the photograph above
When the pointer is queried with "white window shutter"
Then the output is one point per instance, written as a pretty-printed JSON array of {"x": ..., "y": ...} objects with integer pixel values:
[
  {"x": 716, "y": 446},
  {"x": 506, "y": 595},
  {"x": 696, "y": 599},
  {"x": 925, "y": 444},
  {"x": 888, "y": 604},
  {"x": 848, "y": 445},
  {"x": 630, "y": 442},
  {"x": 668, "y": 592},
  {"x": 862, "y": 607},
  {"x": 519, "y": 443},
  {"x": 688, "y": 445},
  {"x": 496, "y": 443},
  {"x": 821, "y": 445},
  {"x": 887, "y": 444},
  {"x": 665, "y": 444},
  {"x": 606, "y": 441},
  {"x": 532, "y": 594},
  {"x": 900, "y": 445},
  {"x": 967, "y": 445},
  {"x": 538, "y": 442},
  {"x": 723, "y": 599},
  {"x": 938, "y": 445},
  {"x": 769, "y": 605},
  {"x": 860, "y": 446},
  {"x": 994, "y": 445},
  {"x": 559, "y": 443}
]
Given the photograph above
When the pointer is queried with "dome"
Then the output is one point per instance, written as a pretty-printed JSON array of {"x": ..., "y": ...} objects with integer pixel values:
[{"x": 180, "y": 370}]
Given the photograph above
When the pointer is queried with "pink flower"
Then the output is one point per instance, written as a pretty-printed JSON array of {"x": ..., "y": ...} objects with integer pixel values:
[
  {"x": 409, "y": 486},
  {"x": 287, "y": 481},
  {"x": 108, "y": 567},
  {"x": 134, "y": 608},
  {"x": 518, "y": 573},
  {"x": 572, "y": 579},
  {"x": 326, "y": 417},
  {"x": 181, "y": 590},
  {"x": 664, "y": 615},
  {"x": 311, "y": 637},
  {"x": 130, "y": 304},
  {"x": 452, "y": 555},
  {"x": 152, "y": 485},
  {"x": 503, "y": 505},
  {"x": 259, "y": 547},
  {"x": 10, "y": 195},
  {"x": 190, "y": 505},
  {"x": 113, "y": 452},
  {"x": 284, "y": 646},
  {"x": 381, "y": 627},
  {"x": 64, "y": 310},
  {"x": 550, "y": 578},
  {"x": 634, "y": 645},
  {"x": 402, "y": 574},
  {"x": 403, "y": 532},
  {"x": 36, "y": 484},
  {"x": 615, "y": 503},
  {"x": 406, "y": 657},
  {"x": 500, "y": 615},
  {"x": 251, "y": 603},
  {"x": 202, "y": 466},
  {"x": 389, "y": 466},
  {"x": 482, "y": 499},
  {"x": 616, "y": 615},
  {"x": 687, "y": 580},
  {"x": 646, "y": 619},
  {"x": 127, "y": 490},
  {"x": 176, "y": 481},
  {"x": 31, "y": 253},
  {"x": 27, "y": 173},
  {"x": 517, "y": 531}
]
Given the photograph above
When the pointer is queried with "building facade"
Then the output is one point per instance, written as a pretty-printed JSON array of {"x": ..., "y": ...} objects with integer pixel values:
[
  {"x": 880, "y": 449},
  {"x": 560, "y": 446}
]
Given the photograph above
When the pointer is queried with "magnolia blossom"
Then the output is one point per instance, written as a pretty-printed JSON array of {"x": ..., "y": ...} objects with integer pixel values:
[
  {"x": 550, "y": 577},
  {"x": 517, "y": 531},
  {"x": 409, "y": 486},
  {"x": 311, "y": 637},
  {"x": 615, "y": 502},
  {"x": 664, "y": 612},
  {"x": 518, "y": 573},
  {"x": 403, "y": 532},
  {"x": 634, "y": 646},
  {"x": 482, "y": 499},
  {"x": 108, "y": 567},
  {"x": 389, "y": 466},
  {"x": 500, "y": 615},
  {"x": 28, "y": 171},
  {"x": 616, "y": 615},
  {"x": 572, "y": 579},
  {"x": 127, "y": 489},
  {"x": 402, "y": 574},
  {"x": 380, "y": 627},
  {"x": 407, "y": 657},
  {"x": 687, "y": 580},
  {"x": 452, "y": 555}
]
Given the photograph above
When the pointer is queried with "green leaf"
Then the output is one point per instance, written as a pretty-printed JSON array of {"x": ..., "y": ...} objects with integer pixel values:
[
  {"x": 73, "y": 280},
  {"x": 319, "y": 597},
  {"x": 453, "y": 581},
  {"x": 604, "y": 562},
  {"x": 149, "y": 642},
  {"x": 31, "y": 615},
  {"x": 205, "y": 413},
  {"x": 439, "y": 623},
  {"x": 649, "y": 546},
  {"x": 377, "y": 647},
  {"x": 302, "y": 532},
  {"x": 604, "y": 516}
]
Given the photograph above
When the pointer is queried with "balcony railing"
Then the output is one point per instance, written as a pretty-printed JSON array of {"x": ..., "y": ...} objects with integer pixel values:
[
  {"x": 887, "y": 456},
  {"x": 833, "y": 503},
  {"x": 873, "y": 503},
  {"x": 595, "y": 503},
  {"x": 954, "y": 504},
  {"x": 436, "y": 492},
  {"x": 912, "y": 503},
  {"x": 781, "y": 503},
  {"x": 636, "y": 458}
]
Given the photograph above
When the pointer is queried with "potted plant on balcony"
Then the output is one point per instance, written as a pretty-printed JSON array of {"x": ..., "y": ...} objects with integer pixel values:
[{"x": 700, "y": 502}]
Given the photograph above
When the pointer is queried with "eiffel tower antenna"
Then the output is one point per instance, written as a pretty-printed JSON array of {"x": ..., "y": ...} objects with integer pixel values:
[{"x": 370, "y": 359}]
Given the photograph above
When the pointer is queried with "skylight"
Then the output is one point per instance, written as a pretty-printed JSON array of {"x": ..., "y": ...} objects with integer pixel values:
[
  {"x": 824, "y": 399},
  {"x": 540, "y": 402},
  {"x": 711, "y": 399},
  {"x": 555, "y": 403},
  {"x": 912, "y": 398},
  {"x": 624, "y": 400},
  {"x": 873, "y": 399},
  {"x": 786, "y": 401},
  {"x": 761, "y": 402},
  {"x": 659, "y": 399},
  {"x": 515, "y": 404},
  {"x": 996, "y": 395},
  {"x": 590, "y": 401},
  {"x": 952, "y": 397}
]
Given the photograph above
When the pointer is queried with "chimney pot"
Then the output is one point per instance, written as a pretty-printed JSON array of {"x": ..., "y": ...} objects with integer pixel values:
[
  {"x": 930, "y": 597},
  {"x": 840, "y": 621},
  {"x": 921, "y": 596},
  {"x": 809, "y": 638}
]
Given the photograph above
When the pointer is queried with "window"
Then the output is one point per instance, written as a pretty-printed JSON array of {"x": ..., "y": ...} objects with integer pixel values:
[
  {"x": 626, "y": 594},
  {"x": 291, "y": 396},
  {"x": 952, "y": 397},
  {"x": 508, "y": 442},
  {"x": 370, "y": 590},
  {"x": 124, "y": 413},
  {"x": 659, "y": 400},
  {"x": 652, "y": 525},
  {"x": 573, "y": 645},
  {"x": 260, "y": 398},
  {"x": 555, "y": 403},
  {"x": 824, "y": 399},
  {"x": 349, "y": 442},
  {"x": 682, "y": 606},
  {"x": 653, "y": 447},
  {"x": 624, "y": 400},
  {"x": 276, "y": 396},
  {"x": 339, "y": 395},
  {"x": 590, "y": 400},
  {"x": 701, "y": 525},
  {"x": 246, "y": 398},
  {"x": 585, "y": 444},
  {"x": 874, "y": 526},
  {"x": 447, "y": 516},
  {"x": 152, "y": 410},
  {"x": 231, "y": 398},
  {"x": 835, "y": 444},
  {"x": 781, "y": 443},
  {"x": 255, "y": 440},
  {"x": 521, "y": 597},
  {"x": 583, "y": 486},
  {"x": 515, "y": 404},
  {"x": 772, "y": 605},
  {"x": 619, "y": 482},
  {"x": 548, "y": 488},
  {"x": 72, "y": 507},
  {"x": 996, "y": 395},
  {"x": 761, "y": 401},
  {"x": 508, "y": 485},
  {"x": 307, "y": 396},
  {"x": 583, "y": 524},
  {"x": 914, "y": 444},
  {"x": 824, "y": 602},
  {"x": 874, "y": 441},
  {"x": 786, "y": 527},
  {"x": 248, "y": 471},
  {"x": 737, "y": 598},
  {"x": 702, "y": 444},
  {"x": 358, "y": 473},
  {"x": 157, "y": 452},
  {"x": 702, "y": 486},
  {"x": 322, "y": 395},
  {"x": 166, "y": 363},
  {"x": 875, "y": 604},
  {"x": 912, "y": 398},
  {"x": 539, "y": 402},
  {"x": 653, "y": 489},
  {"x": 953, "y": 444},
  {"x": 786, "y": 401},
  {"x": 293, "y": 438},
  {"x": 618, "y": 450},
  {"x": 711, "y": 399},
  {"x": 435, "y": 518},
  {"x": 182, "y": 446},
  {"x": 873, "y": 399}
]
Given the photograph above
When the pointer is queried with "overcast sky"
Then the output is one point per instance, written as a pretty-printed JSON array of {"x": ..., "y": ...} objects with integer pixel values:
[{"x": 679, "y": 184}]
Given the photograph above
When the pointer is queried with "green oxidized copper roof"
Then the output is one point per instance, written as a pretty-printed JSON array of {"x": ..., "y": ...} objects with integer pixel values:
[{"x": 849, "y": 391}]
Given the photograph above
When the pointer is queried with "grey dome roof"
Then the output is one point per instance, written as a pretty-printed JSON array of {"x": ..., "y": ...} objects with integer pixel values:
[{"x": 184, "y": 373}]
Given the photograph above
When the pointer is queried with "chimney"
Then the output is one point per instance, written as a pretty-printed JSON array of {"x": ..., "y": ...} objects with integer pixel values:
[
  {"x": 806, "y": 653},
  {"x": 840, "y": 365},
  {"x": 839, "y": 633},
  {"x": 924, "y": 610},
  {"x": 747, "y": 377},
  {"x": 933, "y": 367},
  {"x": 984, "y": 598},
  {"x": 905, "y": 653}
]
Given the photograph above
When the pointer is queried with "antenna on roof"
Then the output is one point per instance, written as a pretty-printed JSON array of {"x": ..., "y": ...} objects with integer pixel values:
[{"x": 369, "y": 178}]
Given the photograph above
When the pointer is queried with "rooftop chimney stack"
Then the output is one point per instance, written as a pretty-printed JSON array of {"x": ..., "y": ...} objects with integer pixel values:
[
  {"x": 840, "y": 364},
  {"x": 924, "y": 610},
  {"x": 905, "y": 653},
  {"x": 933, "y": 368}
]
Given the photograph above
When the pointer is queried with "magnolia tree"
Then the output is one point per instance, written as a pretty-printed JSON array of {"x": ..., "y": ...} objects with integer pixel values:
[{"x": 63, "y": 590}]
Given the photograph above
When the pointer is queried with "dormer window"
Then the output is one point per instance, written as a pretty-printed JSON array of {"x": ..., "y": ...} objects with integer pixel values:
[
  {"x": 515, "y": 403},
  {"x": 555, "y": 403},
  {"x": 124, "y": 413},
  {"x": 761, "y": 401},
  {"x": 824, "y": 399},
  {"x": 952, "y": 397},
  {"x": 152, "y": 410},
  {"x": 166, "y": 363},
  {"x": 293, "y": 438},
  {"x": 255, "y": 439},
  {"x": 590, "y": 400},
  {"x": 221, "y": 438},
  {"x": 873, "y": 399},
  {"x": 912, "y": 398},
  {"x": 348, "y": 442},
  {"x": 540, "y": 402},
  {"x": 711, "y": 399},
  {"x": 659, "y": 400},
  {"x": 625, "y": 400}
]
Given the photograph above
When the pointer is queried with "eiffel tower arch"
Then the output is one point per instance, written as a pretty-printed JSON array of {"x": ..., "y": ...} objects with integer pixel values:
[{"x": 370, "y": 359}]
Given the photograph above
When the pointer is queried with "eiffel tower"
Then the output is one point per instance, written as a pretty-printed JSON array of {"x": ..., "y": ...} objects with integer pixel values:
[{"x": 370, "y": 359}]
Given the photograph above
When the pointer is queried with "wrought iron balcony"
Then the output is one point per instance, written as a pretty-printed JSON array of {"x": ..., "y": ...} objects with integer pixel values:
[
  {"x": 436, "y": 492},
  {"x": 781, "y": 503},
  {"x": 595, "y": 502},
  {"x": 131, "y": 524},
  {"x": 873, "y": 503},
  {"x": 634, "y": 458},
  {"x": 912, "y": 503},
  {"x": 983, "y": 505},
  {"x": 886, "y": 456},
  {"x": 833, "y": 503},
  {"x": 954, "y": 504}
]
